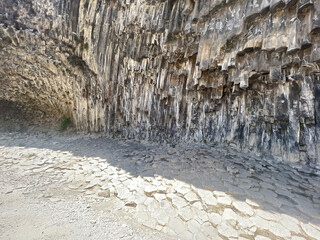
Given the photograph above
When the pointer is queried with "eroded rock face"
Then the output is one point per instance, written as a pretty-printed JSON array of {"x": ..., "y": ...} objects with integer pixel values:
[{"x": 244, "y": 72}]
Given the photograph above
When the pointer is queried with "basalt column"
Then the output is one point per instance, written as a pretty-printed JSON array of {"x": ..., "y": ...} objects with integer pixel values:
[{"x": 241, "y": 72}]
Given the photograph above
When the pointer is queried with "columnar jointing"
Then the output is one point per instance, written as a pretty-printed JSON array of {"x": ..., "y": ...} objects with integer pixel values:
[{"x": 243, "y": 72}]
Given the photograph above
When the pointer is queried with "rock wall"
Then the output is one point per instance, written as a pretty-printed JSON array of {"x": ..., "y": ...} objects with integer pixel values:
[{"x": 243, "y": 72}]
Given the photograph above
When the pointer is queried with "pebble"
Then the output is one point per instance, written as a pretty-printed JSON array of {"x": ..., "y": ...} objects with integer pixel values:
[
  {"x": 243, "y": 208},
  {"x": 207, "y": 197},
  {"x": 225, "y": 200}
]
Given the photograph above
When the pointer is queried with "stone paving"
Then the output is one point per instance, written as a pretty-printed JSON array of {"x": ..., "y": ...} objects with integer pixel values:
[{"x": 189, "y": 191}]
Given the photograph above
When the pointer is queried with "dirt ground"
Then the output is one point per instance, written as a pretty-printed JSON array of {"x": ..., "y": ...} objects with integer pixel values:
[
  {"x": 34, "y": 208},
  {"x": 39, "y": 207}
]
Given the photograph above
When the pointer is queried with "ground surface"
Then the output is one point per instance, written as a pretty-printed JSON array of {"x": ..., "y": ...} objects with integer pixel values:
[
  {"x": 37, "y": 206},
  {"x": 54, "y": 186}
]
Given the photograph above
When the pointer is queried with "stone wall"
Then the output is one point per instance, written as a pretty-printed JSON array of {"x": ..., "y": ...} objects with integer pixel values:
[{"x": 242, "y": 72}]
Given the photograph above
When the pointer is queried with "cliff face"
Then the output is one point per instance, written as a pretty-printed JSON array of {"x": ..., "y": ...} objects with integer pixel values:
[{"x": 243, "y": 72}]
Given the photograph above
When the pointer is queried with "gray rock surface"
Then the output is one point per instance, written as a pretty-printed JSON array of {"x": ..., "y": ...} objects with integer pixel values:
[{"x": 242, "y": 72}]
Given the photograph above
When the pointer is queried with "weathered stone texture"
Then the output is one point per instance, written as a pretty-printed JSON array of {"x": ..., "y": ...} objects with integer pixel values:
[{"x": 244, "y": 72}]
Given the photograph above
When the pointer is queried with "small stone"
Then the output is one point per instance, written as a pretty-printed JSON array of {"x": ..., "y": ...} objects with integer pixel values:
[
  {"x": 207, "y": 197},
  {"x": 243, "y": 208},
  {"x": 191, "y": 197},
  {"x": 194, "y": 226},
  {"x": 179, "y": 202},
  {"x": 197, "y": 205},
  {"x": 186, "y": 213},
  {"x": 310, "y": 230},
  {"x": 177, "y": 225},
  {"x": 259, "y": 222},
  {"x": 230, "y": 216},
  {"x": 210, "y": 231},
  {"x": 152, "y": 204},
  {"x": 227, "y": 231},
  {"x": 278, "y": 230},
  {"x": 159, "y": 196},
  {"x": 161, "y": 217},
  {"x": 149, "y": 190},
  {"x": 290, "y": 223},
  {"x": 181, "y": 187},
  {"x": 200, "y": 216},
  {"x": 215, "y": 218},
  {"x": 123, "y": 193},
  {"x": 244, "y": 222},
  {"x": 161, "y": 189},
  {"x": 226, "y": 200}
]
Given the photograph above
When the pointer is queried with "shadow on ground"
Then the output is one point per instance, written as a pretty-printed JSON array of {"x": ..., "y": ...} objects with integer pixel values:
[{"x": 275, "y": 186}]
